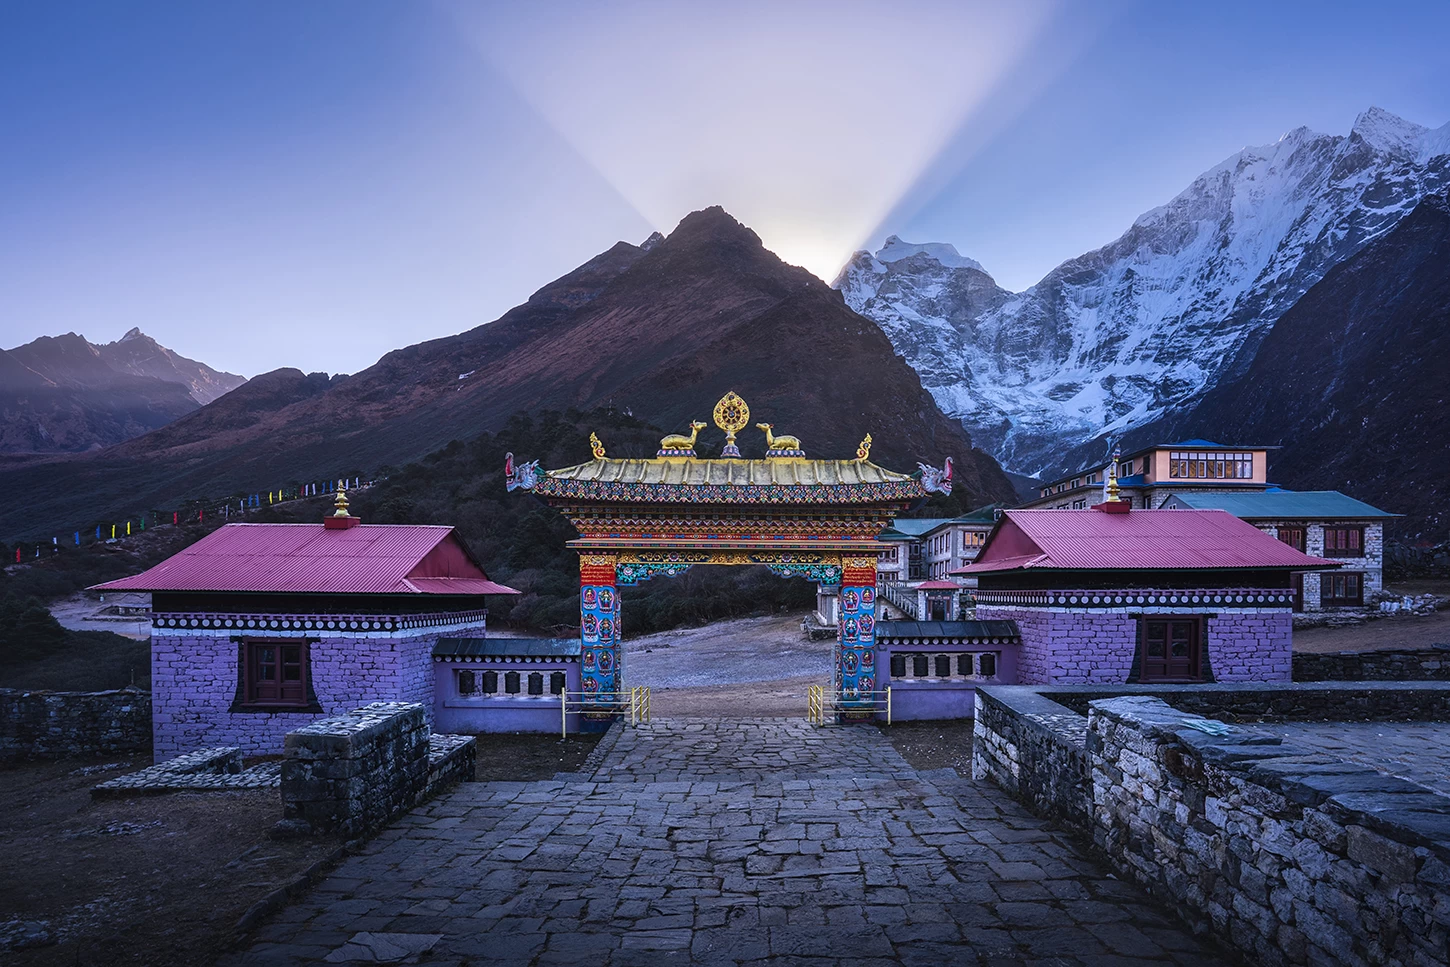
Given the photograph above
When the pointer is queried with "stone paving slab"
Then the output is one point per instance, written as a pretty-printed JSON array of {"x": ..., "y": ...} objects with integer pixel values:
[
  {"x": 1417, "y": 751},
  {"x": 731, "y": 843}
]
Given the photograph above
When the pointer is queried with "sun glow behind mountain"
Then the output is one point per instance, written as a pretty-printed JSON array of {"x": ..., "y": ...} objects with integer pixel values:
[{"x": 806, "y": 121}]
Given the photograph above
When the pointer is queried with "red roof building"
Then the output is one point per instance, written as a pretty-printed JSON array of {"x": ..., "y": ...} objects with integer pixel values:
[
  {"x": 260, "y": 628},
  {"x": 1155, "y": 541},
  {"x": 1110, "y": 594},
  {"x": 404, "y": 559}
]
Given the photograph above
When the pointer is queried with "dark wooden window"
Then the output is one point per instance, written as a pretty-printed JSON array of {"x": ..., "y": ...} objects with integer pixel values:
[
  {"x": 1341, "y": 589},
  {"x": 1344, "y": 542},
  {"x": 1293, "y": 536},
  {"x": 276, "y": 673},
  {"x": 1171, "y": 650}
]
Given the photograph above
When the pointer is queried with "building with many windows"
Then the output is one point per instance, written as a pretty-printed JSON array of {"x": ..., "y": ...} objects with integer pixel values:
[
  {"x": 1148, "y": 477},
  {"x": 1321, "y": 523},
  {"x": 930, "y": 548}
]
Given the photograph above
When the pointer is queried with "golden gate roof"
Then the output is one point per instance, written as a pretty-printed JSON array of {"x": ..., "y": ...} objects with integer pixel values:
[
  {"x": 677, "y": 475},
  {"x": 689, "y": 481},
  {"x": 694, "y": 473}
]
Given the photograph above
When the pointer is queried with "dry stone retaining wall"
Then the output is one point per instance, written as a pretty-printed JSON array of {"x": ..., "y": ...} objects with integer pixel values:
[
  {"x": 1404, "y": 664},
  {"x": 1289, "y": 854},
  {"x": 351, "y": 774},
  {"x": 58, "y": 725}
]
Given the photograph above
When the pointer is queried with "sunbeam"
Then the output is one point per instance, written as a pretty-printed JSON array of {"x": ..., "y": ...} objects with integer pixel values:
[{"x": 807, "y": 121}]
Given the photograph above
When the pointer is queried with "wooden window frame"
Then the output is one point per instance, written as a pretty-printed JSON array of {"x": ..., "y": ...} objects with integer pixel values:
[
  {"x": 1326, "y": 584},
  {"x": 1343, "y": 533},
  {"x": 257, "y": 693},
  {"x": 1299, "y": 529}
]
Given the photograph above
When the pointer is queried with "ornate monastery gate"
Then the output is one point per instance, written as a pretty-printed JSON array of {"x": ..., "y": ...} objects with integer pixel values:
[{"x": 799, "y": 517}]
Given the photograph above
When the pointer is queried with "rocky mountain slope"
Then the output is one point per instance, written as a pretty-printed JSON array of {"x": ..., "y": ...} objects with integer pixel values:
[
  {"x": 63, "y": 393},
  {"x": 662, "y": 330},
  {"x": 1352, "y": 380},
  {"x": 1146, "y": 325}
]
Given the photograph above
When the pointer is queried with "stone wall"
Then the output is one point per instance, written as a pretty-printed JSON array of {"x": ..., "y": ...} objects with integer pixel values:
[
  {"x": 1405, "y": 664},
  {"x": 1035, "y": 749},
  {"x": 351, "y": 774},
  {"x": 195, "y": 677},
  {"x": 57, "y": 725},
  {"x": 1287, "y": 701},
  {"x": 1290, "y": 855}
]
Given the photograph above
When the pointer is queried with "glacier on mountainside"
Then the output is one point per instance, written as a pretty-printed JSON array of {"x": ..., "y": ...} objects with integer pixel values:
[{"x": 1119, "y": 336}]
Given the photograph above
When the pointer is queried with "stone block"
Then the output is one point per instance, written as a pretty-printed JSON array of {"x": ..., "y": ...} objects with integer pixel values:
[{"x": 1394, "y": 861}]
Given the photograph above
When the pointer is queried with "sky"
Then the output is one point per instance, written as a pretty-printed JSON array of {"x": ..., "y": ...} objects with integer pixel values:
[{"x": 265, "y": 183}]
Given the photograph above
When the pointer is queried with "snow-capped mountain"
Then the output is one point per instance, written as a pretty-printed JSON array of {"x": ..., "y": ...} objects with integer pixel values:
[{"x": 1145, "y": 325}]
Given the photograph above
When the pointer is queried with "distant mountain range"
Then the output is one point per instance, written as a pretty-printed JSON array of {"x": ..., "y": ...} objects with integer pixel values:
[
  {"x": 661, "y": 329},
  {"x": 1136, "y": 333},
  {"x": 63, "y": 393}
]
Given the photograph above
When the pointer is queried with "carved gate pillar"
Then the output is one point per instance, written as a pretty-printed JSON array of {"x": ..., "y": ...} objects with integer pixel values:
[
  {"x": 601, "y": 657},
  {"x": 856, "y": 643}
]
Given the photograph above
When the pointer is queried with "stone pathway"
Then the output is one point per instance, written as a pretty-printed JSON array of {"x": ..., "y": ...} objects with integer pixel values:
[{"x": 728, "y": 842}]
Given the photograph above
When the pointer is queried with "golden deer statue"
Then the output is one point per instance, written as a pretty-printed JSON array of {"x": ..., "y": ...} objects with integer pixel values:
[
  {"x": 773, "y": 442},
  {"x": 678, "y": 441}
]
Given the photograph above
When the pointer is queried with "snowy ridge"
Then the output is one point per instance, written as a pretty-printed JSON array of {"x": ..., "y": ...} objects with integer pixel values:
[{"x": 1119, "y": 336}]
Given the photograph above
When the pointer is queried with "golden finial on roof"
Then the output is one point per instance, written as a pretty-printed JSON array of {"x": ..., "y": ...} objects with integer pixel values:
[
  {"x": 1110, "y": 492},
  {"x": 732, "y": 415},
  {"x": 863, "y": 452},
  {"x": 596, "y": 446},
  {"x": 340, "y": 501}
]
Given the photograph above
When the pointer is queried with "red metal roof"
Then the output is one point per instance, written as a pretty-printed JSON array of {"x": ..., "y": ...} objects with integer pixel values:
[
  {"x": 1139, "y": 540},
  {"x": 311, "y": 559},
  {"x": 938, "y": 586}
]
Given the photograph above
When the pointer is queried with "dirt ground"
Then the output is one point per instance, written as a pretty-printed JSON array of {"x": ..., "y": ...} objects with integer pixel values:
[
  {"x": 1397, "y": 631},
  {"x": 934, "y": 745},
  {"x": 162, "y": 880},
  {"x": 784, "y": 697},
  {"x": 150, "y": 880}
]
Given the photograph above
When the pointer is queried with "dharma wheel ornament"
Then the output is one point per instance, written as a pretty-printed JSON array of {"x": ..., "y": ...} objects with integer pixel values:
[{"x": 731, "y": 415}]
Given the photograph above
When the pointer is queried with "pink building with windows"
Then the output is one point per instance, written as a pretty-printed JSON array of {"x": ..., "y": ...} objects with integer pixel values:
[
  {"x": 1112, "y": 594},
  {"x": 258, "y": 629}
]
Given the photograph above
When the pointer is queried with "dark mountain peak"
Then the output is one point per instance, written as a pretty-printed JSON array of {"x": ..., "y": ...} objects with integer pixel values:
[
  {"x": 649, "y": 244},
  {"x": 712, "y": 225},
  {"x": 134, "y": 333}
]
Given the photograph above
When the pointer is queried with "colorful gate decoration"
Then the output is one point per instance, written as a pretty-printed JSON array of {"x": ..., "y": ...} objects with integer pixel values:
[{"x": 800, "y": 517}]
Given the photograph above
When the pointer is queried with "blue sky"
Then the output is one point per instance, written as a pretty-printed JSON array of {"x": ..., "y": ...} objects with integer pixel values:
[{"x": 262, "y": 184}]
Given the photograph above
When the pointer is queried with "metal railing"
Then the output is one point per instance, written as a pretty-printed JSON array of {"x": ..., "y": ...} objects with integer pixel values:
[
  {"x": 823, "y": 703},
  {"x": 632, "y": 702},
  {"x": 899, "y": 596}
]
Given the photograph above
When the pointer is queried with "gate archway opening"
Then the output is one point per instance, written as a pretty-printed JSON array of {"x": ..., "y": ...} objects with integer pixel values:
[{"x": 799, "y": 517}]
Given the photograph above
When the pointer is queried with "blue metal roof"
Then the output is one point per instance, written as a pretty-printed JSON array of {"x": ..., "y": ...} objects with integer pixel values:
[
  {"x": 506, "y": 648},
  {"x": 1281, "y": 505},
  {"x": 910, "y": 527}
]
